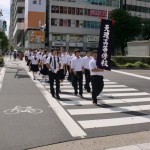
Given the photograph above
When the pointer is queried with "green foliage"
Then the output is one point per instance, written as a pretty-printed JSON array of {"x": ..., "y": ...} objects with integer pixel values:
[
  {"x": 141, "y": 65},
  {"x": 126, "y": 28},
  {"x": 1, "y": 61},
  {"x": 146, "y": 29},
  {"x": 114, "y": 63},
  {"x": 129, "y": 65},
  {"x": 5, "y": 42},
  {"x": 121, "y": 60}
]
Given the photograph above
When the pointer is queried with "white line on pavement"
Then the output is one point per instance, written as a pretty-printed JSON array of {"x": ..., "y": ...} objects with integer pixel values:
[
  {"x": 114, "y": 122},
  {"x": 127, "y": 94},
  {"x": 2, "y": 74},
  {"x": 73, "y": 128},
  {"x": 107, "y": 110},
  {"x": 106, "y": 101},
  {"x": 131, "y": 74}
]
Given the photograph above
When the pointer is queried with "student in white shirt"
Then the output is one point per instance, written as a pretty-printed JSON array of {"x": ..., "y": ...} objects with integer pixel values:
[
  {"x": 44, "y": 70},
  {"x": 34, "y": 65},
  {"x": 69, "y": 58},
  {"x": 86, "y": 61},
  {"x": 53, "y": 64},
  {"x": 96, "y": 77},
  {"x": 77, "y": 69}
]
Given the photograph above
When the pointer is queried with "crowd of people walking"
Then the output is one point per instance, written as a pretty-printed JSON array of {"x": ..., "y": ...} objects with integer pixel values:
[{"x": 58, "y": 63}]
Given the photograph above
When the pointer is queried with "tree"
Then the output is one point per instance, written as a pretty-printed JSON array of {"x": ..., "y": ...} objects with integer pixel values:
[
  {"x": 126, "y": 28},
  {"x": 146, "y": 29},
  {"x": 5, "y": 42}
]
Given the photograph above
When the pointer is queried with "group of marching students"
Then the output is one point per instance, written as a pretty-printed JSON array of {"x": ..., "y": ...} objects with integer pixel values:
[{"x": 58, "y": 63}]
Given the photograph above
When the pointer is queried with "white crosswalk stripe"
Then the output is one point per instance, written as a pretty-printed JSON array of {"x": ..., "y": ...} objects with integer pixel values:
[{"x": 120, "y": 99}]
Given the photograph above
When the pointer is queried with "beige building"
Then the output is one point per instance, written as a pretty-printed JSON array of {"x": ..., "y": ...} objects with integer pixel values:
[{"x": 139, "y": 48}]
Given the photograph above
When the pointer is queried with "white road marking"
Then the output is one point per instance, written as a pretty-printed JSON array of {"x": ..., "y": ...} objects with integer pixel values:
[
  {"x": 114, "y": 86},
  {"x": 131, "y": 74},
  {"x": 127, "y": 94},
  {"x": 107, "y": 110},
  {"x": 73, "y": 128},
  {"x": 106, "y": 101},
  {"x": 86, "y": 124},
  {"x": 119, "y": 90},
  {"x": 2, "y": 74}
]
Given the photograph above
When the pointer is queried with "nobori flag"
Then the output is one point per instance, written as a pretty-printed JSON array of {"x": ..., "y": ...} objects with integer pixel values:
[{"x": 105, "y": 45}]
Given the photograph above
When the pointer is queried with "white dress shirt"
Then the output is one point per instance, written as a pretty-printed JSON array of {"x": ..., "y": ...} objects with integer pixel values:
[
  {"x": 34, "y": 61},
  {"x": 52, "y": 63},
  {"x": 44, "y": 59},
  {"x": 77, "y": 64},
  {"x": 92, "y": 65},
  {"x": 86, "y": 61},
  {"x": 64, "y": 58}
]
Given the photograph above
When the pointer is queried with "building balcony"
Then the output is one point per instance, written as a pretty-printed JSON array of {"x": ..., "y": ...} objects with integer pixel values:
[{"x": 18, "y": 28}]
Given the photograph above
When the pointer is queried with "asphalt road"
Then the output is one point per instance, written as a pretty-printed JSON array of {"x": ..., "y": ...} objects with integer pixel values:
[{"x": 119, "y": 111}]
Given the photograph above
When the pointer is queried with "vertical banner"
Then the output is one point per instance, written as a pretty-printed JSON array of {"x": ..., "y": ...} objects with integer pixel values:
[{"x": 105, "y": 45}]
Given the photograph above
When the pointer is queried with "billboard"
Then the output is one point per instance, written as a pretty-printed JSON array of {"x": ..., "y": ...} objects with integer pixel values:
[{"x": 35, "y": 11}]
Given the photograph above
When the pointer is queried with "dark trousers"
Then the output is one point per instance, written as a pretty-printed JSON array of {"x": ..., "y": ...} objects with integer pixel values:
[
  {"x": 54, "y": 77},
  {"x": 97, "y": 86},
  {"x": 69, "y": 73},
  {"x": 78, "y": 79},
  {"x": 87, "y": 80}
]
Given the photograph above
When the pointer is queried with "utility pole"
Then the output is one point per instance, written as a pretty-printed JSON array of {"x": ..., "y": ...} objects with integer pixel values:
[{"x": 47, "y": 24}]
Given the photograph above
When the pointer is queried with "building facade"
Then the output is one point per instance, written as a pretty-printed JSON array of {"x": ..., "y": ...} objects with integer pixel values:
[
  {"x": 76, "y": 23},
  {"x": 16, "y": 29},
  {"x": 140, "y": 8}
]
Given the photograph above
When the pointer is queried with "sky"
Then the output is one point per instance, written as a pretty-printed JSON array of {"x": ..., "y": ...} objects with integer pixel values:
[{"x": 5, "y": 6}]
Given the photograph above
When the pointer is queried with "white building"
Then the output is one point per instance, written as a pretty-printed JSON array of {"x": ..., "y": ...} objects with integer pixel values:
[{"x": 16, "y": 29}]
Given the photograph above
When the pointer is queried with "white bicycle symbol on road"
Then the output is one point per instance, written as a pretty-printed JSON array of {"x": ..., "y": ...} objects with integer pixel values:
[{"x": 19, "y": 109}]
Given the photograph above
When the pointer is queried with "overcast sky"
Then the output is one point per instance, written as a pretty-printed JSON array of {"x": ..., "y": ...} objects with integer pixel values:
[{"x": 5, "y": 6}]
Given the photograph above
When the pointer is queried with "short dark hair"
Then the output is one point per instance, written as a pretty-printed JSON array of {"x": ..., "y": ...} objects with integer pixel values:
[
  {"x": 94, "y": 51},
  {"x": 53, "y": 49},
  {"x": 76, "y": 50},
  {"x": 87, "y": 50}
]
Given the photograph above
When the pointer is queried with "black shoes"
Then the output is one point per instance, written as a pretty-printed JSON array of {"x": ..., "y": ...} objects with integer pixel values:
[{"x": 57, "y": 96}]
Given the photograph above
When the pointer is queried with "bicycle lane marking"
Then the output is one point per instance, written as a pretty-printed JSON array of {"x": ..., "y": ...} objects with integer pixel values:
[
  {"x": 20, "y": 109},
  {"x": 2, "y": 74},
  {"x": 74, "y": 129}
]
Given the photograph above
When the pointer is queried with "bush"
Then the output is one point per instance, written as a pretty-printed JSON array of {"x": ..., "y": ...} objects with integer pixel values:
[
  {"x": 121, "y": 60},
  {"x": 114, "y": 63},
  {"x": 129, "y": 65},
  {"x": 1, "y": 61},
  {"x": 141, "y": 65}
]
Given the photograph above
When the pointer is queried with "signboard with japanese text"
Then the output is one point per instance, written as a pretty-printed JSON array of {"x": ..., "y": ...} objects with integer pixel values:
[{"x": 105, "y": 45}]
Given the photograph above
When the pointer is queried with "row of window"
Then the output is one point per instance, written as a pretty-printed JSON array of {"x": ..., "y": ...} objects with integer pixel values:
[
  {"x": 138, "y": 8},
  {"x": 75, "y": 23},
  {"x": 79, "y": 11},
  {"x": 112, "y": 3}
]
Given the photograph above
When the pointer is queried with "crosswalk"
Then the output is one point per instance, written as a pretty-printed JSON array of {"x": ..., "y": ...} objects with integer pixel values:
[{"x": 123, "y": 107}]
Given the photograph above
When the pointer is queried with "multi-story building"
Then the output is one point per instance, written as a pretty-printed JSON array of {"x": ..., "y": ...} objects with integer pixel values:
[
  {"x": 140, "y": 8},
  {"x": 76, "y": 23},
  {"x": 16, "y": 29}
]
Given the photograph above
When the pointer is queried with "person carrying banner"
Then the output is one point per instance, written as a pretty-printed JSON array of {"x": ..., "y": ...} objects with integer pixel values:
[
  {"x": 96, "y": 77},
  {"x": 86, "y": 61},
  {"x": 53, "y": 64},
  {"x": 77, "y": 69}
]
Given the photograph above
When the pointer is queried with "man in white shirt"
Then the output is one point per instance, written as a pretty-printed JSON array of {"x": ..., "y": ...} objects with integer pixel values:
[
  {"x": 53, "y": 64},
  {"x": 96, "y": 77},
  {"x": 86, "y": 61},
  {"x": 77, "y": 69}
]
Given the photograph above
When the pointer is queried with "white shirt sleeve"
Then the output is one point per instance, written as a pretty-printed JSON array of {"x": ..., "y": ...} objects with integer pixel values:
[
  {"x": 48, "y": 60},
  {"x": 91, "y": 65},
  {"x": 72, "y": 64}
]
